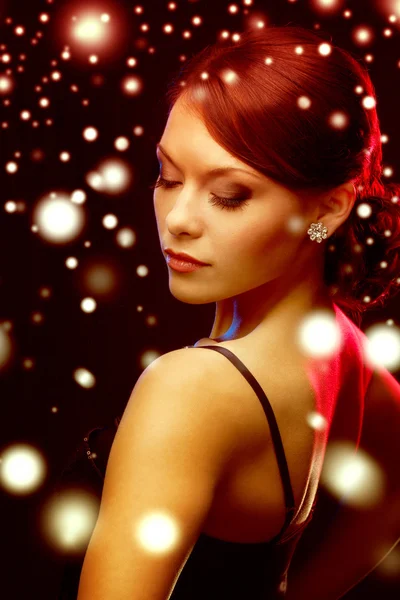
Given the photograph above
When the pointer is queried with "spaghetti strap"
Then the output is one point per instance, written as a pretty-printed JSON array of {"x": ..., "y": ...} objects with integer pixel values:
[{"x": 276, "y": 436}]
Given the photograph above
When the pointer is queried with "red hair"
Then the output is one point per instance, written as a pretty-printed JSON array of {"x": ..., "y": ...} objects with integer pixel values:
[{"x": 247, "y": 95}]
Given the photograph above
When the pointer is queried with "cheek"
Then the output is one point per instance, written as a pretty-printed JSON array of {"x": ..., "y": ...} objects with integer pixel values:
[
  {"x": 157, "y": 206},
  {"x": 160, "y": 212},
  {"x": 259, "y": 242},
  {"x": 256, "y": 235}
]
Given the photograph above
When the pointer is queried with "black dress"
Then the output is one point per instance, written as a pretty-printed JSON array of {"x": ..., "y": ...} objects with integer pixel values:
[{"x": 216, "y": 569}]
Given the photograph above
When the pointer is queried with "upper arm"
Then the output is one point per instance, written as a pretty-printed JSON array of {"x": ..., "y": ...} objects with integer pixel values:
[
  {"x": 350, "y": 542},
  {"x": 169, "y": 453}
]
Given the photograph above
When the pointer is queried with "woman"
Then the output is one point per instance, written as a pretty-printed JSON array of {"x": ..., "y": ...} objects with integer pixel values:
[{"x": 213, "y": 474}]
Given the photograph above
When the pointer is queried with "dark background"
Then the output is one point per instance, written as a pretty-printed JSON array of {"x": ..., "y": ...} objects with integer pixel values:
[{"x": 42, "y": 403}]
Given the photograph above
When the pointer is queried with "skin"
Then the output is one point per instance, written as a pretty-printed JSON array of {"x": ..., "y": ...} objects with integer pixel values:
[{"x": 265, "y": 274}]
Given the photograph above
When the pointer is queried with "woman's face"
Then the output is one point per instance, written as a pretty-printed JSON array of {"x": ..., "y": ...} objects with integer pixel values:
[{"x": 247, "y": 246}]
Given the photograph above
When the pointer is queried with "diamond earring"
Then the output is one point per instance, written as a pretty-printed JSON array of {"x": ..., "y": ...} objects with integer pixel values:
[{"x": 317, "y": 231}]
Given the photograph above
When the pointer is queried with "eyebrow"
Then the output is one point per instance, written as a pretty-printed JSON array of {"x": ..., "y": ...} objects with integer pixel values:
[{"x": 216, "y": 171}]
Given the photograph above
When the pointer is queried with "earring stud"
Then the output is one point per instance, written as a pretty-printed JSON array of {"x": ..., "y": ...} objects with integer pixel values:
[{"x": 317, "y": 232}]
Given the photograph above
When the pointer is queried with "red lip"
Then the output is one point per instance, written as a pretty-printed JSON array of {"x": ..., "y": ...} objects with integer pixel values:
[{"x": 184, "y": 256}]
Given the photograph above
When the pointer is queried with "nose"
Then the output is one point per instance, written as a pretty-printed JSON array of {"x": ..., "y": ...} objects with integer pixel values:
[{"x": 184, "y": 214}]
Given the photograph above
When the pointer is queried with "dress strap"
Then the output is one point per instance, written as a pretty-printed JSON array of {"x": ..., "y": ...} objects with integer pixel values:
[{"x": 276, "y": 436}]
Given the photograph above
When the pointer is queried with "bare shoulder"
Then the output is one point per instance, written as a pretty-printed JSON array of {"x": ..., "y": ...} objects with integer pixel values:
[
  {"x": 199, "y": 372},
  {"x": 185, "y": 363},
  {"x": 192, "y": 371},
  {"x": 180, "y": 391},
  {"x": 200, "y": 389}
]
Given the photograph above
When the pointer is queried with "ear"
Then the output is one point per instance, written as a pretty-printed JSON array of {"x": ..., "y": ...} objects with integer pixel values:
[{"x": 335, "y": 207}]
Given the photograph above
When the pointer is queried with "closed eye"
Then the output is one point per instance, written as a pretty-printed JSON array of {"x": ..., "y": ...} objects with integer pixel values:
[{"x": 221, "y": 201}]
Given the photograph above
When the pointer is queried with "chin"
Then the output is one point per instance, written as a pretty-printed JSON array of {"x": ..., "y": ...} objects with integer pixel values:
[{"x": 192, "y": 298}]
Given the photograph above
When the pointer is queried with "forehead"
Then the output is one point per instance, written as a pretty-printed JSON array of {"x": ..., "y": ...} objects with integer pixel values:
[{"x": 186, "y": 137}]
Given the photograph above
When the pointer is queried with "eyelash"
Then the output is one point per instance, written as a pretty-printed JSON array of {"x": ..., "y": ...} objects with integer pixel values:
[{"x": 228, "y": 203}]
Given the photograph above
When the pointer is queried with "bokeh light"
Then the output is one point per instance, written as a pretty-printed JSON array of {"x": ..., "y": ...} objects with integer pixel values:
[
  {"x": 89, "y": 28},
  {"x": 6, "y": 84},
  {"x": 319, "y": 335},
  {"x": 101, "y": 278},
  {"x": 132, "y": 85},
  {"x": 22, "y": 469},
  {"x": 147, "y": 357},
  {"x": 363, "y": 35},
  {"x": 112, "y": 176},
  {"x": 58, "y": 219},
  {"x": 327, "y": 7},
  {"x": 121, "y": 143},
  {"x": 88, "y": 305},
  {"x": 7, "y": 348},
  {"x": 84, "y": 377},
  {"x": 383, "y": 346},
  {"x": 352, "y": 476},
  {"x": 126, "y": 237},
  {"x": 90, "y": 134},
  {"x": 67, "y": 520},
  {"x": 157, "y": 533}
]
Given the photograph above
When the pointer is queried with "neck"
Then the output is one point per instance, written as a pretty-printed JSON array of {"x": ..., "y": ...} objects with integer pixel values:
[{"x": 276, "y": 306}]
